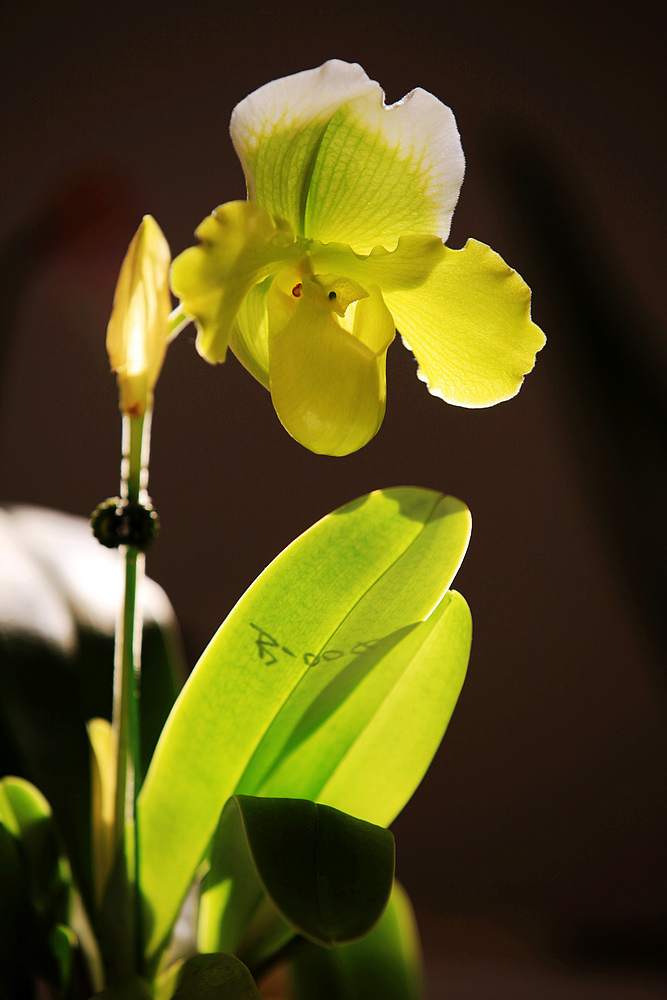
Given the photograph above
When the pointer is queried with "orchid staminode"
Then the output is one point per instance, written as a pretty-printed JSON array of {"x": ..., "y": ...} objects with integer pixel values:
[{"x": 341, "y": 242}]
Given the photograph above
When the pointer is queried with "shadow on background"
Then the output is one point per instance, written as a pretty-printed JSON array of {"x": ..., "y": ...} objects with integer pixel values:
[{"x": 607, "y": 371}]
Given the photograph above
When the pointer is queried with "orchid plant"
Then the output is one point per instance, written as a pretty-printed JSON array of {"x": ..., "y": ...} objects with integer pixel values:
[{"x": 204, "y": 837}]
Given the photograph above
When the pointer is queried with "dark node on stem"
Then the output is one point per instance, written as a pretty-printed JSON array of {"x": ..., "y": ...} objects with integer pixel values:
[{"x": 117, "y": 522}]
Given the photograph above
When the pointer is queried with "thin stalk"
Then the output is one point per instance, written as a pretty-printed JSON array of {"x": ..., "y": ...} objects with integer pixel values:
[
  {"x": 177, "y": 321},
  {"x": 127, "y": 678}
]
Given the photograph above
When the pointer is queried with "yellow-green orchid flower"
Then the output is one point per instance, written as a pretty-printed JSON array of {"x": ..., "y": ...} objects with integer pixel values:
[{"x": 340, "y": 242}]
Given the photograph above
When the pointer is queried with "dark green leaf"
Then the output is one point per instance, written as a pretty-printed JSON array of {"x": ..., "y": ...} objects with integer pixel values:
[
  {"x": 215, "y": 977},
  {"x": 27, "y": 815},
  {"x": 384, "y": 965},
  {"x": 327, "y": 874}
]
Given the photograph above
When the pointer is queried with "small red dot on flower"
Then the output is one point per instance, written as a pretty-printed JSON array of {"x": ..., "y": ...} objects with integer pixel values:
[{"x": 296, "y": 291}]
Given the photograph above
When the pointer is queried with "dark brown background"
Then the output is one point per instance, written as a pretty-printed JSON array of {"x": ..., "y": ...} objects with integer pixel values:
[{"x": 535, "y": 847}]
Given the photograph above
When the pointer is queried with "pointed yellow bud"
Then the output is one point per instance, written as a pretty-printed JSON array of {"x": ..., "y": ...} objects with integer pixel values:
[{"x": 138, "y": 331}]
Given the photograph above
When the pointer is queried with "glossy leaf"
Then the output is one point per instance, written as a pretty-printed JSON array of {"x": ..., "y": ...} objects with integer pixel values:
[
  {"x": 384, "y": 965},
  {"x": 364, "y": 575},
  {"x": 326, "y": 874},
  {"x": 360, "y": 736},
  {"x": 215, "y": 977}
]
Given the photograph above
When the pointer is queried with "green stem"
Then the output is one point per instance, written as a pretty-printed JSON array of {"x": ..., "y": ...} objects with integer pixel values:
[
  {"x": 177, "y": 320},
  {"x": 127, "y": 678}
]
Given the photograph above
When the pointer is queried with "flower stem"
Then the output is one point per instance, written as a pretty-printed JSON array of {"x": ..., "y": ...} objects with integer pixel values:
[
  {"x": 177, "y": 321},
  {"x": 127, "y": 678}
]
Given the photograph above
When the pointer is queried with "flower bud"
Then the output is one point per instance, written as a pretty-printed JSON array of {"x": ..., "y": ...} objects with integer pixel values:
[{"x": 138, "y": 331}]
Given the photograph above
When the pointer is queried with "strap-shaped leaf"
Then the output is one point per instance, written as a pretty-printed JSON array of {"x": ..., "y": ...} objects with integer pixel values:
[
  {"x": 360, "y": 734},
  {"x": 366, "y": 573},
  {"x": 356, "y": 745},
  {"x": 326, "y": 874},
  {"x": 384, "y": 965}
]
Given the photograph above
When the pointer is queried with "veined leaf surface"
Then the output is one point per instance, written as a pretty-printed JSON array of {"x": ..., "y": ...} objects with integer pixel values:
[{"x": 366, "y": 575}]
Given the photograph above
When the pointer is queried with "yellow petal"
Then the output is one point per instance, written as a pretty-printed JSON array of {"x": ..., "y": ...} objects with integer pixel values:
[
  {"x": 373, "y": 323},
  {"x": 138, "y": 330},
  {"x": 276, "y": 131},
  {"x": 464, "y": 313},
  {"x": 329, "y": 387},
  {"x": 240, "y": 245},
  {"x": 407, "y": 266},
  {"x": 249, "y": 339},
  {"x": 469, "y": 326},
  {"x": 382, "y": 172}
]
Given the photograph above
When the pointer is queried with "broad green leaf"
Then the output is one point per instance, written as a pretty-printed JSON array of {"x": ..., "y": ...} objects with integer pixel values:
[
  {"x": 326, "y": 874},
  {"x": 27, "y": 815},
  {"x": 384, "y": 965},
  {"x": 360, "y": 736},
  {"x": 363, "y": 575},
  {"x": 59, "y": 595},
  {"x": 215, "y": 977}
]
